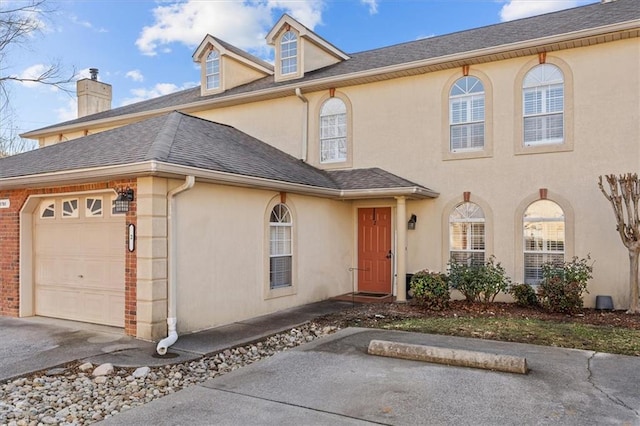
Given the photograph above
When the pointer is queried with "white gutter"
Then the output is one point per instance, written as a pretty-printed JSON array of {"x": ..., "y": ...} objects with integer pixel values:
[
  {"x": 172, "y": 319},
  {"x": 305, "y": 124}
]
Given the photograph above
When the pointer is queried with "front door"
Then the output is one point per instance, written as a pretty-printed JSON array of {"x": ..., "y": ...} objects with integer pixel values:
[{"x": 374, "y": 250}]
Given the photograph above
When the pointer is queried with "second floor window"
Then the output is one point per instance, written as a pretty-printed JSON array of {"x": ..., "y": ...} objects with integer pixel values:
[
  {"x": 289, "y": 53},
  {"x": 213, "y": 70},
  {"x": 543, "y": 105},
  {"x": 466, "y": 114},
  {"x": 333, "y": 131}
]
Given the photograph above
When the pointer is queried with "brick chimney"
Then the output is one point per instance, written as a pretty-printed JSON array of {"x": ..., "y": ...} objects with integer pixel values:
[{"x": 93, "y": 96}]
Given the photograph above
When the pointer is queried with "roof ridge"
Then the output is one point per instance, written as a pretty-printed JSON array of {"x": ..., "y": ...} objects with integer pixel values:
[{"x": 161, "y": 146}]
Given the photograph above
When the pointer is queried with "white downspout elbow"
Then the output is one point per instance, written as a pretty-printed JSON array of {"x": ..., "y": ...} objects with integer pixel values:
[
  {"x": 305, "y": 124},
  {"x": 172, "y": 318}
]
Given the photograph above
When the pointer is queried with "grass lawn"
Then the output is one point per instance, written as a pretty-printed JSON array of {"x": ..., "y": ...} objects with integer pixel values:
[{"x": 617, "y": 340}]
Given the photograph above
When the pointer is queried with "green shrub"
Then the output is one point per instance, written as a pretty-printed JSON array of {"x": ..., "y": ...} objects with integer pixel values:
[
  {"x": 478, "y": 282},
  {"x": 430, "y": 289},
  {"x": 463, "y": 277},
  {"x": 562, "y": 285},
  {"x": 524, "y": 295}
]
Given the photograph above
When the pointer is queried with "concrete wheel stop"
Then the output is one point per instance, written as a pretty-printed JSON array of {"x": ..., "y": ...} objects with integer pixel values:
[{"x": 448, "y": 356}]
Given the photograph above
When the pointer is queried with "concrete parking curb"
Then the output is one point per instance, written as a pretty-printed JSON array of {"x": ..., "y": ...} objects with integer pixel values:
[{"x": 457, "y": 357}]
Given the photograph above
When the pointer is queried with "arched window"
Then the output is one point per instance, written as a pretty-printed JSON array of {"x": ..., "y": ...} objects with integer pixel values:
[
  {"x": 544, "y": 238},
  {"x": 543, "y": 105},
  {"x": 333, "y": 131},
  {"x": 213, "y": 70},
  {"x": 289, "y": 53},
  {"x": 467, "y": 234},
  {"x": 280, "y": 247},
  {"x": 466, "y": 114}
]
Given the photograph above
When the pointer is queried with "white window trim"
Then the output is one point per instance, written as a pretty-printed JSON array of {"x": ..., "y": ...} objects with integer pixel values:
[
  {"x": 212, "y": 74},
  {"x": 345, "y": 136},
  {"x": 271, "y": 293},
  {"x": 464, "y": 154},
  {"x": 469, "y": 249},
  {"x": 567, "y": 144},
  {"x": 283, "y": 58},
  {"x": 469, "y": 97}
]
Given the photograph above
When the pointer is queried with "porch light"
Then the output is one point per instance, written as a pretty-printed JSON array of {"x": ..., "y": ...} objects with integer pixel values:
[
  {"x": 412, "y": 222},
  {"x": 125, "y": 196}
]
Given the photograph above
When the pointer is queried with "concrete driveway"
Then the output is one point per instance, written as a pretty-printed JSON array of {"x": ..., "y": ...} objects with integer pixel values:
[{"x": 334, "y": 381}]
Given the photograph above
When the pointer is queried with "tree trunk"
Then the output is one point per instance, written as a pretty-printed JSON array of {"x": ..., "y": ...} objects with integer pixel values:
[{"x": 633, "y": 281}]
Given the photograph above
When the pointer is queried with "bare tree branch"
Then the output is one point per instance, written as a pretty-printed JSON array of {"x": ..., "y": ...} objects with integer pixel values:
[
  {"x": 19, "y": 21},
  {"x": 624, "y": 196}
]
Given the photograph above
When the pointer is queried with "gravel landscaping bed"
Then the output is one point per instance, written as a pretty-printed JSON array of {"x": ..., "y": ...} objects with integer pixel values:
[{"x": 80, "y": 394}]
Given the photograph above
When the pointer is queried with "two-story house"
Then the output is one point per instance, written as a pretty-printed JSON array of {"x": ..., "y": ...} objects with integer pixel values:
[{"x": 271, "y": 186}]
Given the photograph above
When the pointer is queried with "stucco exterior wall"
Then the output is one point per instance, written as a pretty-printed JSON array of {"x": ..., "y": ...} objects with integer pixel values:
[
  {"x": 223, "y": 269},
  {"x": 277, "y": 122},
  {"x": 399, "y": 124}
]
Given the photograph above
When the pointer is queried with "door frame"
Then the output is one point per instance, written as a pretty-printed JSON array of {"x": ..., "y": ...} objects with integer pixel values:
[{"x": 394, "y": 239}]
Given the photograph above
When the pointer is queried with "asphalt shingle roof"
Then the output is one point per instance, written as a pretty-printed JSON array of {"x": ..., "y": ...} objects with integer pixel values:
[
  {"x": 184, "y": 140},
  {"x": 551, "y": 24}
]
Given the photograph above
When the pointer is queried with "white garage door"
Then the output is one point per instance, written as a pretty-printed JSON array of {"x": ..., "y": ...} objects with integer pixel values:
[{"x": 80, "y": 260}]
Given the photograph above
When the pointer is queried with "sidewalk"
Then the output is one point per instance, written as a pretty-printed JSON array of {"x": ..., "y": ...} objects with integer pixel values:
[{"x": 37, "y": 343}]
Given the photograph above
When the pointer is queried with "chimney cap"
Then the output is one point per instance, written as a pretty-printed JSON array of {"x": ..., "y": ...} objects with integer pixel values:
[{"x": 94, "y": 73}]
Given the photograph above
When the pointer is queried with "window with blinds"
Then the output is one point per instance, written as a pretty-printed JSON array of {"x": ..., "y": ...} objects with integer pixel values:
[
  {"x": 467, "y": 234},
  {"x": 466, "y": 114},
  {"x": 543, "y": 105},
  {"x": 280, "y": 245},
  {"x": 544, "y": 238},
  {"x": 333, "y": 131}
]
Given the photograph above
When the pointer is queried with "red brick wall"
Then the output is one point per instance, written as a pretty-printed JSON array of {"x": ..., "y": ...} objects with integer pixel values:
[{"x": 10, "y": 247}]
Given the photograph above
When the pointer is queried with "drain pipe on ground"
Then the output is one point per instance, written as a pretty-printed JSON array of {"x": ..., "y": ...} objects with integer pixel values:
[{"x": 172, "y": 318}]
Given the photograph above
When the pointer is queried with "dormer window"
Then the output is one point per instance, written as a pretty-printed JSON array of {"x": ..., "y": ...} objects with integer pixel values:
[
  {"x": 289, "y": 53},
  {"x": 213, "y": 70}
]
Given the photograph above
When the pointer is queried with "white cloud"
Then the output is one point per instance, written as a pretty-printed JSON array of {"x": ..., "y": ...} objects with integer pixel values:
[
  {"x": 69, "y": 111},
  {"x": 159, "y": 89},
  {"x": 516, "y": 9},
  {"x": 77, "y": 21},
  {"x": 241, "y": 23},
  {"x": 373, "y": 6},
  {"x": 34, "y": 72},
  {"x": 86, "y": 24},
  {"x": 135, "y": 75}
]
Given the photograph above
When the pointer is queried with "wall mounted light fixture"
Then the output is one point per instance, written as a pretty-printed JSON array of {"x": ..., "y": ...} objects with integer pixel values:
[
  {"x": 412, "y": 222},
  {"x": 125, "y": 196}
]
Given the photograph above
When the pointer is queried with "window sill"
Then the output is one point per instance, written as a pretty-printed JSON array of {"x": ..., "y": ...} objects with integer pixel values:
[
  {"x": 464, "y": 155},
  {"x": 541, "y": 148}
]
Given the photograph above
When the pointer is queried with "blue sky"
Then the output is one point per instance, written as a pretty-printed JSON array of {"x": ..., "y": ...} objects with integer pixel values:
[{"x": 143, "y": 48}]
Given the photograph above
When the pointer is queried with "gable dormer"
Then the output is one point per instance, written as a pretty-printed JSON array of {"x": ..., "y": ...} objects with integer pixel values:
[
  {"x": 224, "y": 66},
  {"x": 300, "y": 50}
]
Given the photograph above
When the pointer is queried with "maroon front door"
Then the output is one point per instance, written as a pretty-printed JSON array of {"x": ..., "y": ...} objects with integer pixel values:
[{"x": 374, "y": 250}]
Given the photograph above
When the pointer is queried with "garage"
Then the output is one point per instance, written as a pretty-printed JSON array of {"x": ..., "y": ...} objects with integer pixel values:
[{"x": 79, "y": 259}]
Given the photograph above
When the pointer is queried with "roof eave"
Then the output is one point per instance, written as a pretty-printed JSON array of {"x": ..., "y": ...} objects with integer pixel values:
[
  {"x": 506, "y": 50},
  {"x": 155, "y": 168}
]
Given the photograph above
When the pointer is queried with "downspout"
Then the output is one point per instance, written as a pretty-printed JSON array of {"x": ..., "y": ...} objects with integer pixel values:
[
  {"x": 172, "y": 319},
  {"x": 305, "y": 124}
]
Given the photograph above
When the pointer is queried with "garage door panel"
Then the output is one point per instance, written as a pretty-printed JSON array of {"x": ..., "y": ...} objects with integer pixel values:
[
  {"x": 57, "y": 302},
  {"x": 104, "y": 308},
  {"x": 80, "y": 268}
]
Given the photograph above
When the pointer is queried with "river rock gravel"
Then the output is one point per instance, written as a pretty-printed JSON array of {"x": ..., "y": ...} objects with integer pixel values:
[{"x": 72, "y": 395}]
